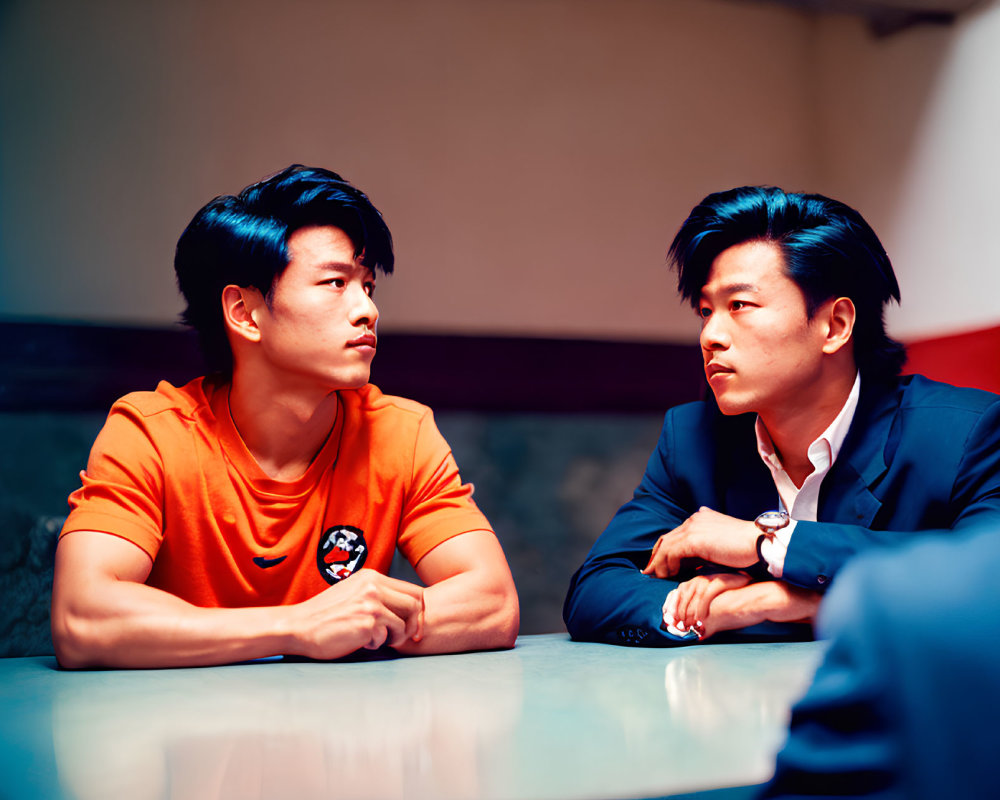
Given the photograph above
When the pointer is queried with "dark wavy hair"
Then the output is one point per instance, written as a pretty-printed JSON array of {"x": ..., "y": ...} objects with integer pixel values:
[
  {"x": 243, "y": 240},
  {"x": 827, "y": 248}
]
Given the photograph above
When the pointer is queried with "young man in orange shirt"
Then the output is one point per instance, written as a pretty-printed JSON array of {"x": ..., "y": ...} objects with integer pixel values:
[{"x": 255, "y": 511}]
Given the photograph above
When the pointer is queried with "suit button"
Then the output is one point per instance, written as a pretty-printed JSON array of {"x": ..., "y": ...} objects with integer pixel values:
[
  {"x": 821, "y": 579},
  {"x": 628, "y": 634}
]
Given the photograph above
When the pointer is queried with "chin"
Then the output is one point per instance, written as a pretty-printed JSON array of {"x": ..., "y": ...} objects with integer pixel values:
[
  {"x": 731, "y": 406},
  {"x": 354, "y": 381}
]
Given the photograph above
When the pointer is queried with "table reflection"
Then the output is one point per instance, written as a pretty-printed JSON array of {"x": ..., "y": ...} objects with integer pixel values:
[
  {"x": 550, "y": 720},
  {"x": 376, "y": 730},
  {"x": 657, "y": 722},
  {"x": 707, "y": 694}
]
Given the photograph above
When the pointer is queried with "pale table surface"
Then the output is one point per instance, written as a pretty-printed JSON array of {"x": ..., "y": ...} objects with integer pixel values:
[{"x": 550, "y": 719}]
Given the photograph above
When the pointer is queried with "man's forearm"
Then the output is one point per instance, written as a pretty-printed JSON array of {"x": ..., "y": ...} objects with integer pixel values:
[
  {"x": 767, "y": 601},
  {"x": 469, "y": 611},
  {"x": 136, "y": 626}
]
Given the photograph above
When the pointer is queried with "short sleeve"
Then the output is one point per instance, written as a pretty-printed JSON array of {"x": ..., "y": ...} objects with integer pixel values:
[
  {"x": 438, "y": 505},
  {"x": 122, "y": 487}
]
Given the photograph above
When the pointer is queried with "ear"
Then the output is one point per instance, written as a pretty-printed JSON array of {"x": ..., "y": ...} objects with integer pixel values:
[
  {"x": 839, "y": 321},
  {"x": 240, "y": 308}
]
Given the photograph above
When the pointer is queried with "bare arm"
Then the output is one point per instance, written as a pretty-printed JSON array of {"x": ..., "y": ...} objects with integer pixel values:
[
  {"x": 470, "y": 600},
  {"x": 725, "y": 602},
  {"x": 103, "y": 614}
]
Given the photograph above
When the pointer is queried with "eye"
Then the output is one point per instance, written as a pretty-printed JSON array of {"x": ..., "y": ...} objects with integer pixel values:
[
  {"x": 340, "y": 283},
  {"x": 370, "y": 288},
  {"x": 704, "y": 312}
]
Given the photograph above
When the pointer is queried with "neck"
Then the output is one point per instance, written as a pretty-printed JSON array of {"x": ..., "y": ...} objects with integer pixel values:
[
  {"x": 283, "y": 431},
  {"x": 795, "y": 427}
]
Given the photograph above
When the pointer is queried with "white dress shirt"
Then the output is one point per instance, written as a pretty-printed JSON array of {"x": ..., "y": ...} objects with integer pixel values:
[{"x": 802, "y": 503}]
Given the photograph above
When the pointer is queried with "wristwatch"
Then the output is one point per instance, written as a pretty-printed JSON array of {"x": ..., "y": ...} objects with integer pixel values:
[{"x": 769, "y": 523}]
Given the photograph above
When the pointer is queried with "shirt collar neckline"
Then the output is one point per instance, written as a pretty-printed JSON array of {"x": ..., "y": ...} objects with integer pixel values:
[{"x": 832, "y": 438}]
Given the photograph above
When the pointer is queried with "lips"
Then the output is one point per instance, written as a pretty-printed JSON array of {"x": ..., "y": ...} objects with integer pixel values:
[
  {"x": 714, "y": 368},
  {"x": 365, "y": 340}
]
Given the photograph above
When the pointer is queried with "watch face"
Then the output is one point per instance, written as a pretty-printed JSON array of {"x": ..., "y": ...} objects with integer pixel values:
[{"x": 771, "y": 521}]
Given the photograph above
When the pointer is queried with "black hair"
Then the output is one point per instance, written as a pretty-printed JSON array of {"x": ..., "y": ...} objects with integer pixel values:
[
  {"x": 243, "y": 240},
  {"x": 826, "y": 246}
]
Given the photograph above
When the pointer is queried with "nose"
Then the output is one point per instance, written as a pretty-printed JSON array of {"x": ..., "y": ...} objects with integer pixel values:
[
  {"x": 364, "y": 311},
  {"x": 713, "y": 334}
]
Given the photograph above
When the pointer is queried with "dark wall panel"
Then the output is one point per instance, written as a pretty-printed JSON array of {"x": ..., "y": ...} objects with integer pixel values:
[{"x": 45, "y": 366}]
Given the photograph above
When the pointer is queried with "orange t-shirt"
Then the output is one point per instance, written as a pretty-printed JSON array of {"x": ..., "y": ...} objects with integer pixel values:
[{"x": 170, "y": 473}]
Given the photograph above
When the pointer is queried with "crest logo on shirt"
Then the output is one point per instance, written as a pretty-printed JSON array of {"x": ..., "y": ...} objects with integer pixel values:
[{"x": 342, "y": 551}]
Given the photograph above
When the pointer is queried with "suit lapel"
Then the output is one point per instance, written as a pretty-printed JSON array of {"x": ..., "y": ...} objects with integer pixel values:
[
  {"x": 749, "y": 487},
  {"x": 846, "y": 494}
]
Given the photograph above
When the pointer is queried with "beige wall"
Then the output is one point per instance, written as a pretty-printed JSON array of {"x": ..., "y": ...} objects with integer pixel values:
[
  {"x": 532, "y": 157},
  {"x": 912, "y": 138}
]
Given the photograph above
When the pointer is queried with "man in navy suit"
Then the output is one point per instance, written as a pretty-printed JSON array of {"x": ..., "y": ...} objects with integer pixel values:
[
  {"x": 902, "y": 704},
  {"x": 811, "y": 448}
]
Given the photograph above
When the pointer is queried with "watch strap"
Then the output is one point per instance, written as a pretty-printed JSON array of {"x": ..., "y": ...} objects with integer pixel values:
[{"x": 760, "y": 548}]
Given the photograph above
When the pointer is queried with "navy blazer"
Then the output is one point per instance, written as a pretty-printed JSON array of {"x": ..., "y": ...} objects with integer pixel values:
[
  {"x": 902, "y": 705},
  {"x": 919, "y": 456}
]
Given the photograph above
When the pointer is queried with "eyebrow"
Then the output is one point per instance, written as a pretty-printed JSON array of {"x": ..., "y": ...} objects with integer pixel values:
[
  {"x": 734, "y": 288},
  {"x": 344, "y": 266},
  {"x": 338, "y": 265}
]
